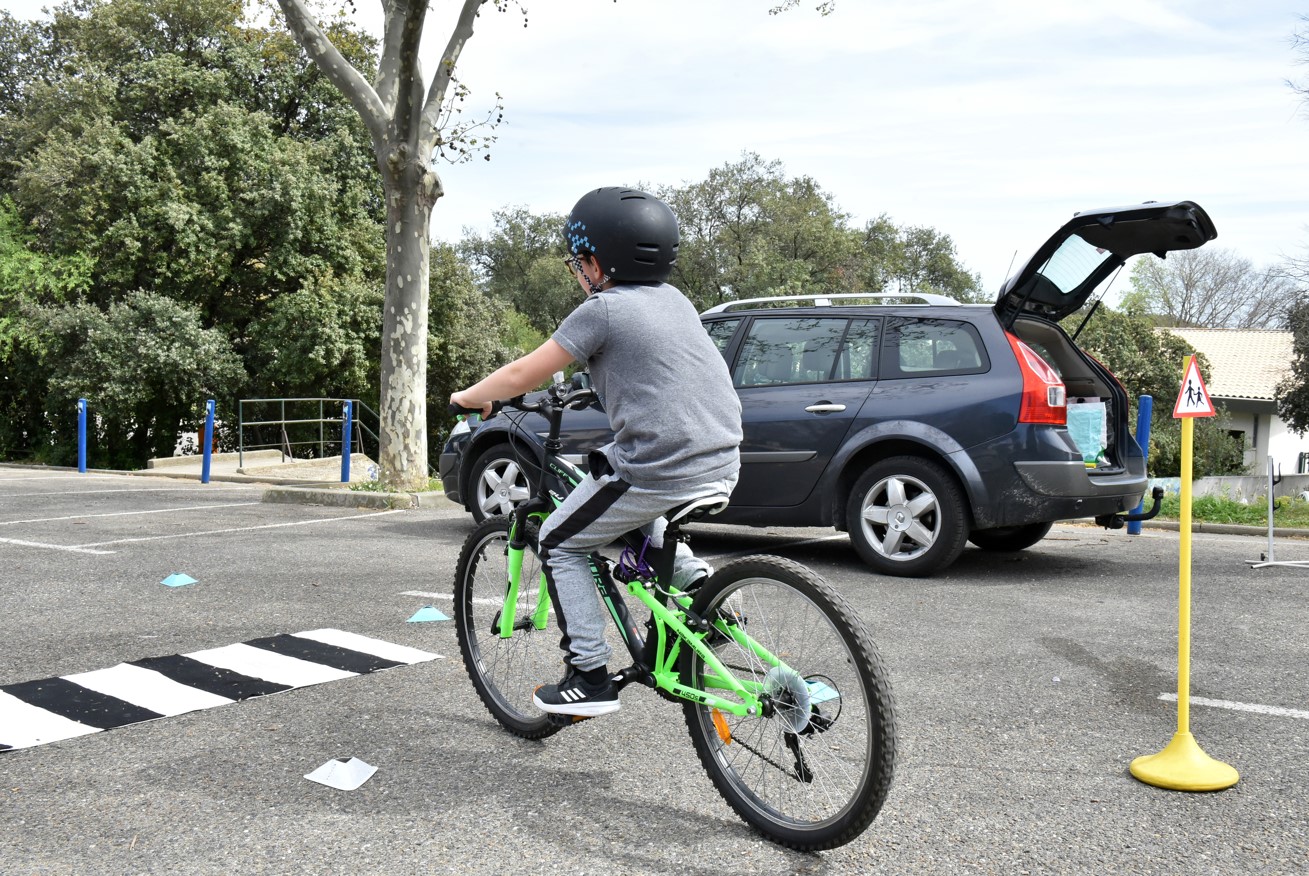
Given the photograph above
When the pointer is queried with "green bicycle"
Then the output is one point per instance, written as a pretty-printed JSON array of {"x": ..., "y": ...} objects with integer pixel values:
[{"x": 783, "y": 691}]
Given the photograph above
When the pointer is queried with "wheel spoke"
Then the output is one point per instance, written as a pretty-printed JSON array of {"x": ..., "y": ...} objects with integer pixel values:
[
  {"x": 878, "y": 515},
  {"x": 891, "y": 543},
  {"x": 920, "y": 535},
  {"x": 505, "y": 671},
  {"x": 895, "y": 494},
  {"x": 922, "y": 504},
  {"x": 811, "y": 785}
]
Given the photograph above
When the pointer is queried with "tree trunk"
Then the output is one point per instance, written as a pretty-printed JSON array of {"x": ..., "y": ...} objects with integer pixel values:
[{"x": 403, "y": 433}]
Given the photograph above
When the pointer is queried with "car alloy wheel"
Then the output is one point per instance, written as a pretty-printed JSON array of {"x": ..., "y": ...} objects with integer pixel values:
[
  {"x": 499, "y": 483},
  {"x": 906, "y": 517}
]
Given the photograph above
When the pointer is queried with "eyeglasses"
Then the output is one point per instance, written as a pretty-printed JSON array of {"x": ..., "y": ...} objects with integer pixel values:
[{"x": 573, "y": 263}]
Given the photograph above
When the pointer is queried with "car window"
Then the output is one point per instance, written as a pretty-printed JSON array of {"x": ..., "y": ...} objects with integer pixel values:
[
  {"x": 858, "y": 359},
  {"x": 795, "y": 350},
  {"x": 1073, "y": 262},
  {"x": 922, "y": 347},
  {"x": 721, "y": 331}
]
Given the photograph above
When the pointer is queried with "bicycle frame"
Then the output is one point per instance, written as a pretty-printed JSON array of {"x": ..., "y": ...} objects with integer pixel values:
[{"x": 671, "y": 623}]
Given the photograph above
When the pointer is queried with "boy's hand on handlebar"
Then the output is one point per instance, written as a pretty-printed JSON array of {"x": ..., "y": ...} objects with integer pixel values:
[{"x": 458, "y": 405}]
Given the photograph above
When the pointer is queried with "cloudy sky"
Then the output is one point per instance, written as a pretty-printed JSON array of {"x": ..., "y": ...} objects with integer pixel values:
[{"x": 992, "y": 122}]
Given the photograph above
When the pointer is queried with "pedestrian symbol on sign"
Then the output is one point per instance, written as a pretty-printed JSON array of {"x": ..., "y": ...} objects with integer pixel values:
[{"x": 1193, "y": 397}]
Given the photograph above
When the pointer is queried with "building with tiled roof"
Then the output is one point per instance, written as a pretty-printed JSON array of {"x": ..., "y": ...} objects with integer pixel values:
[{"x": 1246, "y": 365}]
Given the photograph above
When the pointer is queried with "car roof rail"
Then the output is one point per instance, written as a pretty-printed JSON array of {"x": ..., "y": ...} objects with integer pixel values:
[{"x": 914, "y": 299}]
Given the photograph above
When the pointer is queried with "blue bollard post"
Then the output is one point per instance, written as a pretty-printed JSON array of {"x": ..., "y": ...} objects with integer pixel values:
[
  {"x": 1144, "y": 408},
  {"x": 81, "y": 435},
  {"x": 347, "y": 426},
  {"x": 208, "y": 438}
]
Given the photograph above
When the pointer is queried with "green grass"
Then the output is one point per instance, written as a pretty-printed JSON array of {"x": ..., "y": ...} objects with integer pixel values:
[
  {"x": 433, "y": 486},
  {"x": 1220, "y": 509}
]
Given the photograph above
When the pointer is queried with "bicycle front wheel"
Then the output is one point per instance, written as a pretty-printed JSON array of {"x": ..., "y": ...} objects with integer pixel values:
[
  {"x": 505, "y": 671},
  {"x": 812, "y": 770}
]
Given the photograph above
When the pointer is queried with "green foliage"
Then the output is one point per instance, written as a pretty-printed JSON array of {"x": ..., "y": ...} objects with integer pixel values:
[
  {"x": 1148, "y": 361},
  {"x": 1214, "y": 450},
  {"x": 521, "y": 263},
  {"x": 468, "y": 336},
  {"x": 916, "y": 259},
  {"x": 1287, "y": 511},
  {"x": 319, "y": 341},
  {"x": 146, "y": 365},
  {"x": 170, "y": 149},
  {"x": 1293, "y": 392},
  {"x": 748, "y": 231}
]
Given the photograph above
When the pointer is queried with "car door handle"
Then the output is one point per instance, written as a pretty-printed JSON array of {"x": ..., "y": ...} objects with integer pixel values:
[{"x": 825, "y": 408}]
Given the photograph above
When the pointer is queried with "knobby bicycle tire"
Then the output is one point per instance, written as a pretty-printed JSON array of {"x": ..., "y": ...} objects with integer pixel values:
[
  {"x": 813, "y": 772},
  {"x": 505, "y": 672}
]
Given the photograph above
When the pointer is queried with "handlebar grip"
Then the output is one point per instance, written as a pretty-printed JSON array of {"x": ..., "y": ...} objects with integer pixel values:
[{"x": 458, "y": 410}]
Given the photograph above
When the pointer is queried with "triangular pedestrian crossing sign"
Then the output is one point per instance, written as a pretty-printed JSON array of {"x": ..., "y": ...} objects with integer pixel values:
[{"x": 1193, "y": 397}]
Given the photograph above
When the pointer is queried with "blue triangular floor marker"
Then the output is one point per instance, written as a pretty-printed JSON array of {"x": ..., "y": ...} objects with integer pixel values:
[
  {"x": 178, "y": 580},
  {"x": 427, "y": 613}
]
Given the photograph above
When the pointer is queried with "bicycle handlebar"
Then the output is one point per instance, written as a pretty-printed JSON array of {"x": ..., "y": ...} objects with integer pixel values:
[{"x": 561, "y": 394}]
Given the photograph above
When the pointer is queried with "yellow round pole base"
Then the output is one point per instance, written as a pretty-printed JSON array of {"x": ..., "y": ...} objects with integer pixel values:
[{"x": 1183, "y": 766}]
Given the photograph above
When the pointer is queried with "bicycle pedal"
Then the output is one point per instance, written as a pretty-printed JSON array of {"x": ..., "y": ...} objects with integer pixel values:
[{"x": 566, "y": 720}]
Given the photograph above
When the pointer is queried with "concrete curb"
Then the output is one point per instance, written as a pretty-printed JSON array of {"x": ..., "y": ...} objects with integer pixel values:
[{"x": 340, "y": 498}]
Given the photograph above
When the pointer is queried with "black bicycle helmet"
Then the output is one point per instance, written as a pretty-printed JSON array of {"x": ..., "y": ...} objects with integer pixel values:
[{"x": 634, "y": 234}]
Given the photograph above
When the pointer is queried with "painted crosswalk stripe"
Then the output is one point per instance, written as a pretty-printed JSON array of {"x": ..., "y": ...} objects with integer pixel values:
[
  {"x": 148, "y": 689},
  {"x": 378, "y": 647},
  {"x": 26, "y": 725},
  {"x": 214, "y": 679},
  {"x": 324, "y": 653},
  {"x": 64, "y": 707},
  {"x": 277, "y": 668},
  {"x": 76, "y": 703}
]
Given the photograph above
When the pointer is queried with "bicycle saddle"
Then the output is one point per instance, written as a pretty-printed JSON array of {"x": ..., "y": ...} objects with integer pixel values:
[{"x": 697, "y": 508}]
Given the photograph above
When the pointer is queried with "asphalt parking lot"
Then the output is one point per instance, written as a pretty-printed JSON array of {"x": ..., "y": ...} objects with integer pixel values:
[{"x": 1025, "y": 684}]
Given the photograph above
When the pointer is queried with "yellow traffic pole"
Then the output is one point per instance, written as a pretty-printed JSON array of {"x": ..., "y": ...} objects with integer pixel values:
[{"x": 1183, "y": 765}]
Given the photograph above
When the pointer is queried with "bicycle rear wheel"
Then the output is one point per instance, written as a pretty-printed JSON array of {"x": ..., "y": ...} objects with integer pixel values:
[
  {"x": 505, "y": 671},
  {"x": 812, "y": 771}
]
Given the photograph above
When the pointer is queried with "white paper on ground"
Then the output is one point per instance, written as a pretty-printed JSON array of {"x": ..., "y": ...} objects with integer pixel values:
[{"x": 344, "y": 775}]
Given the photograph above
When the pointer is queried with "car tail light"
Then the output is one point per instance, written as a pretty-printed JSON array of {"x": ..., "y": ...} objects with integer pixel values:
[{"x": 1044, "y": 398}]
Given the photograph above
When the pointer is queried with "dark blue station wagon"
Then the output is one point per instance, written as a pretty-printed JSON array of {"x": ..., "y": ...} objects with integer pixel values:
[{"x": 915, "y": 424}]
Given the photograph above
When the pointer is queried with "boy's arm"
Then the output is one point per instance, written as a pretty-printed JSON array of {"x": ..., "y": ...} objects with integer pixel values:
[{"x": 519, "y": 376}]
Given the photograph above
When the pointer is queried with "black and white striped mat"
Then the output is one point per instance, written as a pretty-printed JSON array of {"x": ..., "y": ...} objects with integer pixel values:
[{"x": 37, "y": 712}]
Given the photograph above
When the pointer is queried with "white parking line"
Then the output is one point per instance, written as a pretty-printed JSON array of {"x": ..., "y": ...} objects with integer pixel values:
[
  {"x": 63, "y": 477},
  {"x": 1277, "y": 711},
  {"x": 240, "y": 529},
  {"x": 142, "y": 490},
  {"x": 451, "y": 598},
  {"x": 53, "y": 547},
  {"x": 129, "y": 513}
]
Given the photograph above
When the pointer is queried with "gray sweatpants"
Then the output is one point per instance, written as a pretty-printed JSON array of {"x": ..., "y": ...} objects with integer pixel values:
[{"x": 595, "y": 514}]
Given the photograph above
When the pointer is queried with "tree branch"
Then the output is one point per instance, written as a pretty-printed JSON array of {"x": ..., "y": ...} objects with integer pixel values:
[
  {"x": 441, "y": 81},
  {"x": 401, "y": 71},
  {"x": 336, "y": 68}
]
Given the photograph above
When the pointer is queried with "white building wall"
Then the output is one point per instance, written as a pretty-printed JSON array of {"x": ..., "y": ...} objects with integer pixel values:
[{"x": 1284, "y": 446}]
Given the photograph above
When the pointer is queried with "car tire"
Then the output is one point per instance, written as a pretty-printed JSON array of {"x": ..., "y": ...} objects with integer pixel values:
[
  {"x": 907, "y": 517},
  {"x": 1010, "y": 538},
  {"x": 497, "y": 482}
]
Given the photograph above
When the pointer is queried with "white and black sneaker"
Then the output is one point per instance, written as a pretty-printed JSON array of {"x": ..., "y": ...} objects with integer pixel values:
[{"x": 574, "y": 695}]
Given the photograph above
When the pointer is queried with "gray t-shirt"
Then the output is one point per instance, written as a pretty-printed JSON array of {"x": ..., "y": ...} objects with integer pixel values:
[{"x": 661, "y": 379}]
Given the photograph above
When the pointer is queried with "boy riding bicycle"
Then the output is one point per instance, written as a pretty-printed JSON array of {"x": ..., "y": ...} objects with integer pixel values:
[{"x": 669, "y": 397}]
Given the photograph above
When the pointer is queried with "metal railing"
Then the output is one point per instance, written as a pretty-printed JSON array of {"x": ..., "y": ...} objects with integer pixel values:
[{"x": 301, "y": 435}]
